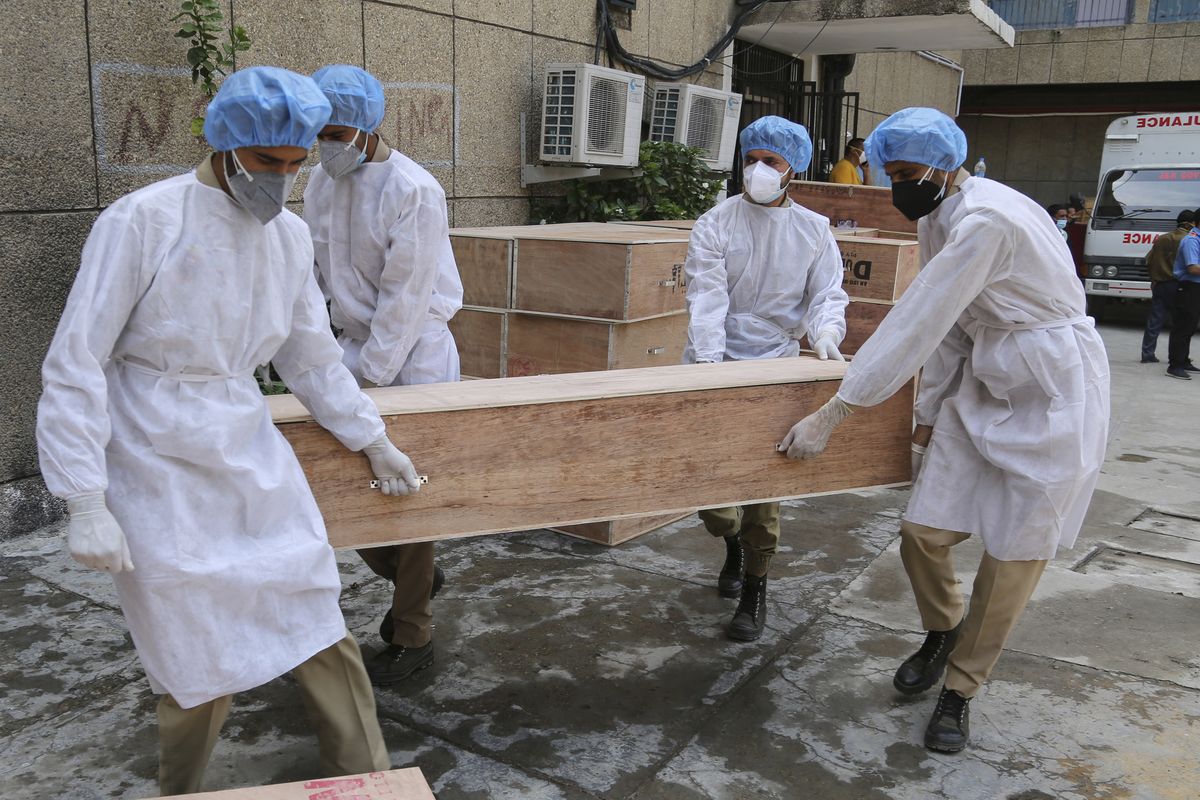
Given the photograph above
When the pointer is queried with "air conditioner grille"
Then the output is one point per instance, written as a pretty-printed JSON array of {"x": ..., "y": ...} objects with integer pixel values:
[
  {"x": 705, "y": 120},
  {"x": 606, "y": 116},
  {"x": 558, "y": 114},
  {"x": 665, "y": 119}
]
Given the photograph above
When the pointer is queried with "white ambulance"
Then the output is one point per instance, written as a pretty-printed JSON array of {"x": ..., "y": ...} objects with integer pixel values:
[{"x": 1149, "y": 172}]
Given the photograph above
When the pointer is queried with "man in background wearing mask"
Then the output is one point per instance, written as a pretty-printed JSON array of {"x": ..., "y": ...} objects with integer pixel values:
[
  {"x": 762, "y": 273},
  {"x": 1059, "y": 214},
  {"x": 150, "y": 408},
  {"x": 381, "y": 239},
  {"x": 853, "y": 169},
  {"x": 1160, "y": 262},
  {"x": 1012, "y": 412}
]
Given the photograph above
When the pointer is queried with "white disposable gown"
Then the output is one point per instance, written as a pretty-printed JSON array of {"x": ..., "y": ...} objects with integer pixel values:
[
  {"x": 149, "y": 396},
  {"x": 382, "y": 245},
  {"x": 759, "y": 279},
  {"x": 1015, "y": 380}
]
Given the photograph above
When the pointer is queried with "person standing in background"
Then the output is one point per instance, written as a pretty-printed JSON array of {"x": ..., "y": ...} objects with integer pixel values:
[
  {"x": 853, "y": 169},
  {"x": 1160, "y": 262},
  {"x": 1186, "y": 310},
  {"x": 381, "y": 239}
]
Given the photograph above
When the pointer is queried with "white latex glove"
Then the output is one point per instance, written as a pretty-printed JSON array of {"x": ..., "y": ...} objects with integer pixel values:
[
  {"x": 918, "y": 458},
  {"x": 826, "y": 347},
  {"x": 395, "y": 471},
  {"x": 94, "y": 538},
  {"x": 808, "y": 437}
]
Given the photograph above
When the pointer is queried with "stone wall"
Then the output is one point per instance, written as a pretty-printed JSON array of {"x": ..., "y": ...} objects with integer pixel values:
[
  {"x": 888, "y": 82},
  {"x": 97, "y": 100}
]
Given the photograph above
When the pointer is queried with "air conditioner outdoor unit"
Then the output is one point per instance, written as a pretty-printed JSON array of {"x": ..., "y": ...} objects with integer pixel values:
[
  {"x": 591, "y": 116},
  {"x": 698, "y": 117}
]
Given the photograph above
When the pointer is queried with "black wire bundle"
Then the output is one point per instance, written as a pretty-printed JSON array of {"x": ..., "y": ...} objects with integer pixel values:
[{"x": 656, "y": 70}]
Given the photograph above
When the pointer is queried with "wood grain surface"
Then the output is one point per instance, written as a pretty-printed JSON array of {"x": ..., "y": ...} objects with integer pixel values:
[
  {"x": 877, "y": 269},
  {"x": 396, "y": 784},
  {"x": 485, "y": 268},
  {"x": 619, "y": 531},
  {"x": 546, "y": 345},
  {"x": 500, "y": 467},
  {"x": 479, "y": 335},
  {"x": 868, "y": 206}
]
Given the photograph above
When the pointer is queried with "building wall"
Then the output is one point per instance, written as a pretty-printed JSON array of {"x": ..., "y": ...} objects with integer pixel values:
[
  {"x": 1133, "y": 53},
  {"x": 1049, "y": 157},
  {"x": 97, "y": 101},
  {"x": 888, "y": 82}
]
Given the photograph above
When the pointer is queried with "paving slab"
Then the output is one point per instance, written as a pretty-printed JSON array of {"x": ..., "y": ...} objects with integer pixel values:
[{"x": 824, "y": 717}]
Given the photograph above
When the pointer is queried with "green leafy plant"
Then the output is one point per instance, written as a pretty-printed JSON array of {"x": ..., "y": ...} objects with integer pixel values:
[
  {"x": 674, "y": 184},
  {"x": 203, "y": 27}
]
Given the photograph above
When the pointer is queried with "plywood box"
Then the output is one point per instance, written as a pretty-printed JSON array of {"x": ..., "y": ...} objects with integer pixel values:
[
  {"x": 877, "y": 269},
  {"x": 479, "y": 335},
  {"x": 484, "y": 266},
  {"x": 618, "y": 531},
  {"x": 865, "y": 206},
  {"x": 676, "y": 224},
  {"x": 546, "y": 345},
  {"x": 397, "y": 784},
  {"x": 901, "y": 235},
  {"x": 862, "y": 319},
  {"x": 516, "y": 454},
  {"x": 615, "y": 272}
]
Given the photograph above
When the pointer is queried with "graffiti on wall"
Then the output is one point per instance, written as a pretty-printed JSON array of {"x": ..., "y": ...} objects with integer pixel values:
[{"x": 143, "y": 116}]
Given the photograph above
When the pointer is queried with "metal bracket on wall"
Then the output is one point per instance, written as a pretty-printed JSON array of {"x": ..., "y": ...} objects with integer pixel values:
[{"x": 546, "y": 173}]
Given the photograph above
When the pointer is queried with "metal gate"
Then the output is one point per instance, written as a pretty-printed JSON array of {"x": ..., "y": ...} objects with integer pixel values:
[{"x": 773, "y": 83}]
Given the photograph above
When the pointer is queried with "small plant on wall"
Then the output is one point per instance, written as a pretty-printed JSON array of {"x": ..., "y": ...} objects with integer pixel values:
[
  {"x": 674, "y": 184},
  {"x": 202, "y": 25}
]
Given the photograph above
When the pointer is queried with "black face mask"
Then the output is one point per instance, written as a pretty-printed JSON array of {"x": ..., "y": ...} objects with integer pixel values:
[{"x": 916, "y": 199}]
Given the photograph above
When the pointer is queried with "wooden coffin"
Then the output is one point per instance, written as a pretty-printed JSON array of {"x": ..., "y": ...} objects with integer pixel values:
[
  {"x": 479, "y": 335},
  {"x": 901, "y": 235},
  {"x": 396, "y": 784},
  {"x": 877, "y": 269},
  {"x": 546, "y": 345},
  {"x": 541, "y": 452},
  {"x": 618, "y": 531},
  {"x": 865, "y": 206},
  {"x": 613, "y": 272},
  {"x": 862, "y": 318},
  {"x": 675, "y": 224}
]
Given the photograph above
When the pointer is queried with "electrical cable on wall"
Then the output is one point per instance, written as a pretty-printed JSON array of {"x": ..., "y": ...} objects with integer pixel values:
[{"x": 661, "y": 71}]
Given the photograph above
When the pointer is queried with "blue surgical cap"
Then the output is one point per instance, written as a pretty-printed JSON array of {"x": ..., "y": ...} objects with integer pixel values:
[
  {"x": 355, "y": 94},
  {"x": 265, "y": 107},
  {"x": 920, "y": 135},
  {"x": 780, "y": 136}
]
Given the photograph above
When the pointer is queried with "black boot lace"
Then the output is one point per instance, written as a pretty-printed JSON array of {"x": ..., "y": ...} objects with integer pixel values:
[{"x": 952, "y": 704}]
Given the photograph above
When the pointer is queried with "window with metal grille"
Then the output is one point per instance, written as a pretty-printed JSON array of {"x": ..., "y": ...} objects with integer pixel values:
[
  {"x": 664, "y": 120},
  {"x": 1174, "y": 10},
  {"x": 606, "y": 116},
  {"x": 1049, "y": 14},
  {"x": 705, "y": 118},
  {"x": 558, "y": 114}
]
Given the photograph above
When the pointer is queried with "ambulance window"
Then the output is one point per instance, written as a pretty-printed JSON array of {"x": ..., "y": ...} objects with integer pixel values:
[{"x": 1168, "y": 191}]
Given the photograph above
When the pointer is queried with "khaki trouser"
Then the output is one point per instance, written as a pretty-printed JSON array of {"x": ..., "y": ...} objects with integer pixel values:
[
  {"x": 410, "y": 568},
  {"x": 1001, "y": 590},
  {"x": 337, "y": 694},
  {"x": 758, "y": 526}
]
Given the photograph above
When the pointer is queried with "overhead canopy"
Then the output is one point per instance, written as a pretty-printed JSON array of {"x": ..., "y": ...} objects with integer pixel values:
[{"x": 825, "y": 27}]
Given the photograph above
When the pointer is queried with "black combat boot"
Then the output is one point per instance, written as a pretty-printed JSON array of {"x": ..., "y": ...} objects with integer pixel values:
[
  {"x": 751, "y": 616},
  {"x": 387, "y": 626},
  {"x": 950, "y": 726},
  {"x": 924, "y": 668},
  {"x": 396, "y": 663},
  {"x": 729, "y": 582}
]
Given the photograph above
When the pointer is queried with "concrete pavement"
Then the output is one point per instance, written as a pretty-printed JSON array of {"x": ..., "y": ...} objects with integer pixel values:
[{"x": 569, "y": 670}]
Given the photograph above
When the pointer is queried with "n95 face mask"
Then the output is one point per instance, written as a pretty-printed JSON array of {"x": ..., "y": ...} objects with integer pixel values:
[
  {"x": 762, "y": 183},
  {"x": 261, "y": 193},
  {"x": 342, "y": 158}
]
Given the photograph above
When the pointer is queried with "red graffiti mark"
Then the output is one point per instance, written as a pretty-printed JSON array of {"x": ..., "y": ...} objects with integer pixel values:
[
  {"x": 424, "y": 121},
  {"x": 152, "y": 135}
]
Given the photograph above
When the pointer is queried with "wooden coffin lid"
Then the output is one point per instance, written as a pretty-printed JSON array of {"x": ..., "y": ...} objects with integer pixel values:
[{"x": 539, "y": 389}]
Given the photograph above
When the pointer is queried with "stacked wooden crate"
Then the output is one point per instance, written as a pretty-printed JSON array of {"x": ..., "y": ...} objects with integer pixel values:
[
  {"x": 573, "y": 297},
  {"x": 876, "y": 271}
]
